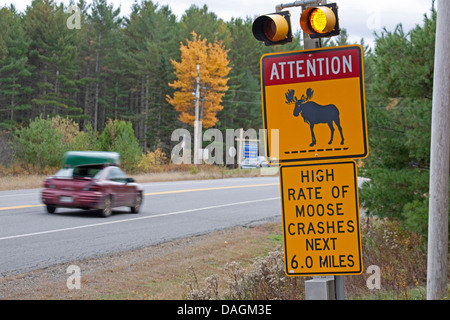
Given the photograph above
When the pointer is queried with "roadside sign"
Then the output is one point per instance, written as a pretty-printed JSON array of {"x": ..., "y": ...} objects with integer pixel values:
[
  {"x": 315, "y": 99},
  {"x": 320, "y": 212},
  {"x": 250, "y": 150}
]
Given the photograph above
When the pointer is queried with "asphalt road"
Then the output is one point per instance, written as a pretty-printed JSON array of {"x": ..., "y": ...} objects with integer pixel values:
[{"x": 30, "y": 238}]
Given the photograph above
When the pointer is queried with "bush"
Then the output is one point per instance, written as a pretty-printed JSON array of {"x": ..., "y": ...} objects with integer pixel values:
[
  {"x": 39, "y": 145},
  {"x": 264, "y": 280},
  {"x": 400, "y": 254},
  {"x": 42, "y": 144},
  {"x": 86, "y": 140},
  {"x": 401, "y": 194},
  {"x": 152, "y": 161},
  {"x": 119, "y": 136}
]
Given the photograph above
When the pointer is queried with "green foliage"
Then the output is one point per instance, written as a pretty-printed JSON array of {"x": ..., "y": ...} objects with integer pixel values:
[
  {"x": 415, "y": 216},
  {"x": 119, "y": 136},
  {"x": 85, "y": 140},
  {"x": 14, "y": 67},
  {"x": 206, "y": 24},
  {"x": 151, "y": 37},
  {"x": 399, "y": 104},
  {"x": 43, "y": 143},
  {"x": 52, "y": 55},
  {"x": 390, "y": 191},
  {"x": 40, "y": 145},
  {"x": 405, "y": 61}
]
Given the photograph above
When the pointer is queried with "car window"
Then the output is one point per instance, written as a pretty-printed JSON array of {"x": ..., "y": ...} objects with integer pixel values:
[
  {"x": 116, "y": 174},
  {"x": 64, "y": 173},
  {"x": 86, "y": 171},
  {"x": 98, "y": 175}
]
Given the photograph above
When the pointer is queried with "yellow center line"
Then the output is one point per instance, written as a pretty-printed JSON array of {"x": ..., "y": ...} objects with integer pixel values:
[
  {"x": 161, "y": 192},
  {"x": 213, "y": 188},
  {"x": 22, "y": 207}
]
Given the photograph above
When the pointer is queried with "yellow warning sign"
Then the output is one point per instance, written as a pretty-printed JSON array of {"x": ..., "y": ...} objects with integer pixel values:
[
  {"x": 315, "y": 99},
  {"x": 320, "y": 212}
]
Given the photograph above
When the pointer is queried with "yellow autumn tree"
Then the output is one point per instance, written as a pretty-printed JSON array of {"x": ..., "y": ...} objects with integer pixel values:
[{"x": 214, "y": 68}]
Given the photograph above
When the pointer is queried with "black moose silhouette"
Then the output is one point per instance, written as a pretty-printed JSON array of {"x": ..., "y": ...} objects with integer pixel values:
[{"x": 313, "y": 113}]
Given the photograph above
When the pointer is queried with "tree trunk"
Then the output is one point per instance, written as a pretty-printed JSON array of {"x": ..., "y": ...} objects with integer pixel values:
[{"x": 97, "y": 82}]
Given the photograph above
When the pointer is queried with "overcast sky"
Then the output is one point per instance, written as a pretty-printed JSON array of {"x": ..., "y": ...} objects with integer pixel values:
[{"x": 361, "y": 18}]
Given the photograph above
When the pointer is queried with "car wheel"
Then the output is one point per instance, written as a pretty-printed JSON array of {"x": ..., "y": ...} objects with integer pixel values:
[
  {"x": 107, "y": 209},
  {"x": 51, "y": 209},
  {"x": 137, "y": 204}
]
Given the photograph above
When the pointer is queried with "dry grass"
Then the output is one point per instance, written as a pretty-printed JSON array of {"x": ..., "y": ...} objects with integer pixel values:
[
  {"x": 17, "y": 182},
  {"x": 401, "y": 256}
]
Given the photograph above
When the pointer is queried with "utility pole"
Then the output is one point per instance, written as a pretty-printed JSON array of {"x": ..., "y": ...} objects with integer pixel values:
[
  {"x": 197, "y": 122},
  {"x": 439, "y": 159}
]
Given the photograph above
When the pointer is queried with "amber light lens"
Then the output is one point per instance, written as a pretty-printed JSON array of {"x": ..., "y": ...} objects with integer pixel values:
[{"x": 318, "y": 21}]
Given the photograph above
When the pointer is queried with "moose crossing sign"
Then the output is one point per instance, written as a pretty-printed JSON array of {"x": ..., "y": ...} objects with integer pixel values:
[{"x": 313, "y": 104}]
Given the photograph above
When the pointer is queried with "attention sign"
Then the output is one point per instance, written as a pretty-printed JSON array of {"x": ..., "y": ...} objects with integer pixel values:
[
  {"x": 315, "y": 99},
  {"x": 320, "y": 211}
]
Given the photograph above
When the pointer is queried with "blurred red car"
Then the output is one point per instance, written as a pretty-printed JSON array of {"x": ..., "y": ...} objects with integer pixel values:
[{"x": 91, "y": 180}]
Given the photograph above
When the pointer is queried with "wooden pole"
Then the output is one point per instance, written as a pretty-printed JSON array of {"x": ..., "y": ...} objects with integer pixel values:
[
  {"x": 439, "y": 159},
  {"x": 197, "y": 121}
]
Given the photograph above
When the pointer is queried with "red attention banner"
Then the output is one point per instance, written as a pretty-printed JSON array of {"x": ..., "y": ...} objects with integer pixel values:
[{"x": 311, "y": 66}]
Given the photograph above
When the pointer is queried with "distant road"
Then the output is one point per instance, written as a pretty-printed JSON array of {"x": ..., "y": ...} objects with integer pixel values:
[{"x": 30, "y": 238}]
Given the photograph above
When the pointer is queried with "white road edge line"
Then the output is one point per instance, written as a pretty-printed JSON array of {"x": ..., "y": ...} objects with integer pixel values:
[{"x": 138, "y": 218}]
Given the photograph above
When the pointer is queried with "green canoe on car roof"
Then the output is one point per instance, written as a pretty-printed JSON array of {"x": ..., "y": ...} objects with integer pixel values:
[{"x": 83, "y": 158}]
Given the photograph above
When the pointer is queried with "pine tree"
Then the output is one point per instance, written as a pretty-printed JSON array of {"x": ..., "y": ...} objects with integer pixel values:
[
  {"x": 151, "y": 41},
  {"x": 242, "y": 103},
  {"x": 14, "y": 68},
  {"x": 105, "y": 23},
  {"x": 53, "y": 55},
  {"x": 205, "y": 24},
  {"x": 399, "y": 120}
]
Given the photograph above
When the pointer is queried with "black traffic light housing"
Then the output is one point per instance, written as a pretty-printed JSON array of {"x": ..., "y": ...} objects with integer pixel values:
[
  {"x": 274, "y": 28},
  {"x": 331, "y": 28}
]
